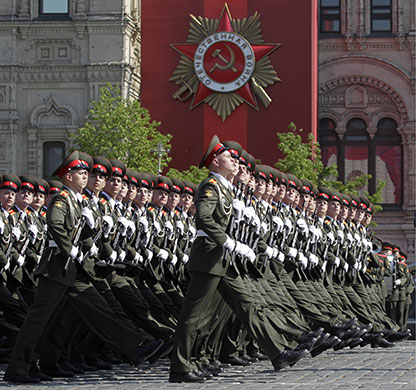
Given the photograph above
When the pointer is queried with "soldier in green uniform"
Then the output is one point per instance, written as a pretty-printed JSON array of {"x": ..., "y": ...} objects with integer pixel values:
[
  {"x": 211, "y": 271},
  {"x": 60, "y": 282}
]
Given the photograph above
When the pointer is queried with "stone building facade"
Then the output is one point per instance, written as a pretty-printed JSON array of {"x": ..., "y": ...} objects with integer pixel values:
[
  {"x": 367, "y": 60},
  {"x": 55, "y": 56}
]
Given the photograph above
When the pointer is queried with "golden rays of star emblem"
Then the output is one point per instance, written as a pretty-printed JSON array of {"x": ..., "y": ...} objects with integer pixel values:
[{"x": 224, "y": 63}]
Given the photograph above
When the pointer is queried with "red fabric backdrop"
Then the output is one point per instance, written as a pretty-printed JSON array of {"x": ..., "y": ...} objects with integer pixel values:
[{"x": 289, "y": 22}]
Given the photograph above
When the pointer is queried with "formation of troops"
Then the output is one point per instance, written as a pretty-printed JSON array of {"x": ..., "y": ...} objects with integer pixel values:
[{"x": 109, "y": 265}]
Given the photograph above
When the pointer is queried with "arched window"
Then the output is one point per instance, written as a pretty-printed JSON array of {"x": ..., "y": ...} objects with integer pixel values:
[
  {"x": 53, "y": 156},
  {"x": 356, "y": 154},
  {"x": 387, "y": 161}
]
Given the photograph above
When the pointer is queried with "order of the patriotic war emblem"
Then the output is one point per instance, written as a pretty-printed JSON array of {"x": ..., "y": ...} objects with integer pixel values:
[{"x": 224, "y": 63}]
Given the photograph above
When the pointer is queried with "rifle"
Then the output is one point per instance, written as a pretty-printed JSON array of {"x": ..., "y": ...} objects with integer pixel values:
[
  {"x": 77, "y": 235},
  {"x": 118, "y": 234}
]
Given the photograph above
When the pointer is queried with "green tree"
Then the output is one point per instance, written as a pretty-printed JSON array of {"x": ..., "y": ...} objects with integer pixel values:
[
  {"x": 193, "y": 174},
  {"x": 304, "y": 160},
  {"x": 122, "y": 129}
]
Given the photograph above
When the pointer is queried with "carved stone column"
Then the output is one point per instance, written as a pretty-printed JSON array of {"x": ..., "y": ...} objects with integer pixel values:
[
  {"x": 400, "y": 16},
  {"x": 81, "y": 10},
  {"x": 32, "y": 151},
  {"x": 24, "y": 12},
  {"x": 361, "y": 19}
]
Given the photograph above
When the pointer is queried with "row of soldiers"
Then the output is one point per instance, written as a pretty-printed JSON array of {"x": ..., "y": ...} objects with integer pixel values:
[{"x": 94, "y": 269}]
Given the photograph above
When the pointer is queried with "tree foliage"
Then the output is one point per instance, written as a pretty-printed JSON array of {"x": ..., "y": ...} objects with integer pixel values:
[
  {"x": 122, "y": 129},
  {"x": 193, "y": 174},
  {"x": 304, "y": 160}
]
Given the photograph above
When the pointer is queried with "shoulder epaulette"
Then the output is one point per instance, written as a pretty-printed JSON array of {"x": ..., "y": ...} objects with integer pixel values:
[
  {"x": 212, "y": 181},
  {"x": 43, "y": 213},
  {"x": 103, "y": 201},
  {"x": 164, "y": 212},
  {"x": 28, "y": 212},
  {"x": 12, "y": 212},
  {"x": 177, "y": 212},
  {"x": 150, "y": 208},
  {"x": 64, "y": 193},
  {"x": 327, "y": 221},
  {"x": 84, "y": 196}
]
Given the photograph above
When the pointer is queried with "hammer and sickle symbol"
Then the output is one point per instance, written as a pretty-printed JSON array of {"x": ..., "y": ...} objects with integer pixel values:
[{"x": 229, "y": 64}]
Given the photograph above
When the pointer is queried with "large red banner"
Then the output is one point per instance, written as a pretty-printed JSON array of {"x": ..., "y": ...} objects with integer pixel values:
[{"x": 291, "y": 23}]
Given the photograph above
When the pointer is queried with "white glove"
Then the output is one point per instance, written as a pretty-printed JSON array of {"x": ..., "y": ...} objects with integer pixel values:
[
  {"x": 302, "y": 225},
  {"x": 229, "y": 244},
  {"x": 281, "y": 257},
  {"x": 269, "y": 252},
  {"x": 174, "y": 260},
  {"x": 324, "y": 266},
  {"x": 238, "y": 206},
  {"x": 180, "y": 226},
  {"x": 331, "y": 238},
  {"x": 341, "y": 235},
  {"x": 149, "y": 255},
  {"x": 169, "y": 229},
  {"x": 192, "y": 232},
  {"x": 7, "y": 266},
  {"x": 313, "y": 259},
  {"x": 398, "y": 282},
  {"x": 157, "y": 227},
  {"x": 359, "y": 266},
  {"x": 1, "y": 227},
  {"x": 108, "y": 224},
  {"x": 288, "y": 224},
  {"x": 89, "y": 217},
  {"x": 20, "y": 260},
  {"x": 346, "y": 267},
  {"x": 350, "y": 238},
  {"x": 144, "y": 223},
  {"x": 123, "y": 224},
  {"x": 33, "y": 230},
  {"x": 357, "y": 237},
  {"x": 303, "y": 260},
  {"x": 93, "y": 250},
  {"x": 137, "y": 258},
  {"x": 16, "y": 233},
  {"x": 112, "y": 257},
  {"x": 185, "y": 258},
  {"x": 245, "y": 251},
  {"x": 163, "y": 254},
  {"x": 337, "y": 261},
  {"x": 122, "y": 255},
  {"x": 131, "y": 228},
  {"x": 255, "y": 222},
  {"x": 356, "y": 265},
  {"x": 278, "y": 224},
  {"x": 264, "y": 228},
  {"x": 292, "y": 252},
  {"x": 249, "y": 213},
  {"x": 74, "y": 252},
  {"x": 364, "y": 268},
  {"x": 38, "y": 257}
]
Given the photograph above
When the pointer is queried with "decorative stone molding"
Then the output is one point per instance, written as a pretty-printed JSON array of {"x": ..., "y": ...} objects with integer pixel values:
[
  {"x": 53, "y": 114},
  {"x": 369, "y": 81},
  {"x": 356, "y": 96},
  {"x": 23, "y": 32}
]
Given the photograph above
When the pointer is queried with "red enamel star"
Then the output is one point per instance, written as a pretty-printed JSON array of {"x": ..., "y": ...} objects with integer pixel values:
[{"x": 225, "y": 25}]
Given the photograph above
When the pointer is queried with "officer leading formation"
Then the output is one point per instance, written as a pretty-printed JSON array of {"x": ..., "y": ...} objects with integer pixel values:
[{"x": 109, "y": 265}]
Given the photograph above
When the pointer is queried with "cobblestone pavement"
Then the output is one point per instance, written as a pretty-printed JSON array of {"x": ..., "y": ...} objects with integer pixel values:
[{"x": 362, "y": 368}]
